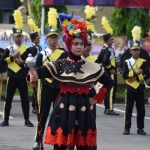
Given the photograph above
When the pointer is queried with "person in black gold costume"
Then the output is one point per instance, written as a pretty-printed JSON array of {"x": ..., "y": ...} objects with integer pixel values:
[
  {"x": 35, "y": 48},
  {"x": 135, "y": 72},
  {"x": 15, "y": 56},
  {"x": 50, "y": 88},
  {"x": 108, "y": 60},
  {"x": 71, "y": 122}
]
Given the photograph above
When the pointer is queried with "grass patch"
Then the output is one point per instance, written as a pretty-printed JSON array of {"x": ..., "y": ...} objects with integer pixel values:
[
  {"x": 120, "y": 91},
  {"x": 30, "y": 90}
]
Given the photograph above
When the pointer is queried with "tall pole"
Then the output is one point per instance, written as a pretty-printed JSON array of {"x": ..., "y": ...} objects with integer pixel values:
[
  {"x": 29, "y": 10},
  {"x": 42, "y": 18}
]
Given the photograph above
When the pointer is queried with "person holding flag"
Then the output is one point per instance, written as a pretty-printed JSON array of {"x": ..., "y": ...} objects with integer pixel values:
[{"x": 35, "y": 48}]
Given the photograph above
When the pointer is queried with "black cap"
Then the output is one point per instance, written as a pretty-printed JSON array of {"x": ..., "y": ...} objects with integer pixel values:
[
  {"x": 17, "y": 32},
  {"x": 50, "y": 31},
  {"x": 135, "y": 45},
  {"x": 106, "y": 37},
  {"x": 34, "y": 36}
]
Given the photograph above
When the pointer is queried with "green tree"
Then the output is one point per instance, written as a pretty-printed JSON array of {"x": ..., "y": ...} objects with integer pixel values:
[
  {"x": 36, "y": 7},
  {"x": 124, "y": 19}
]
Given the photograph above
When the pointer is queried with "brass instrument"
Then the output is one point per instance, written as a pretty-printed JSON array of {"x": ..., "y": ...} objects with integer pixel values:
[{"x": 143, "y": 81}]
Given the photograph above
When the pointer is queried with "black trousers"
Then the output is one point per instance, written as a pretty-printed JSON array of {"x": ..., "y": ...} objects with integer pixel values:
[
  {"x": 48, "y": 95},
  {"x": 138, "y": 97},
  {"x": 12, "y": 85},
  {"x": 34, "y": 95},
  {"x": 111, "y": 95}
]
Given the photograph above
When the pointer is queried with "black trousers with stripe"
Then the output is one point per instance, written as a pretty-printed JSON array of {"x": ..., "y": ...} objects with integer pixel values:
[
  {"x": 12, "y": 85},
  {"x": 111, "y": 95},
  {"x": 48, "y": 95},
  {"x": 137, "y": 97},
  {"x": 34, "y": 95}
]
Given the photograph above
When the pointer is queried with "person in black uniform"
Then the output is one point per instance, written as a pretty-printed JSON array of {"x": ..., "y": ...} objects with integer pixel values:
[
  {"x": 15, "y": 56},
  {"x": 35, "y": 48},
  {"x": 108, "y": 60},
  {"x": 50, "y": 88},
  {"x": 135, "y": 72}
]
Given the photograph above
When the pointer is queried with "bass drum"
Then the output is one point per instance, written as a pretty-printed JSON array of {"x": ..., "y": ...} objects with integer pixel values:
[{"x": 143, "y": 54}]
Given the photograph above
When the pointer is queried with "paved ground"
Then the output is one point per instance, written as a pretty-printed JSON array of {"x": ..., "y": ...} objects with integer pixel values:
[{"x": 110, "y": 128}]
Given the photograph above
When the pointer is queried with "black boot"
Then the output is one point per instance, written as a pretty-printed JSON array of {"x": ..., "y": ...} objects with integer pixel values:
[
  {"x": 4, "y": 123},
  {"x": 141, "y": 132},
  {"x": 36, "y": 146},
  {"x": 126, "y": 132},
  {"x": 111, "y": 112},
  {"x": 28, "y": 123}
]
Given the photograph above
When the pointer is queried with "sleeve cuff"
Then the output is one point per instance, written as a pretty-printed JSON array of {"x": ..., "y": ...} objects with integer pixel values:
[{"x": 108, "y": 67}]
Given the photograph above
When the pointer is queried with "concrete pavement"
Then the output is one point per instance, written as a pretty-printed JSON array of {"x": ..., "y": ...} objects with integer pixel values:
[{"x": 110, "y": 128}]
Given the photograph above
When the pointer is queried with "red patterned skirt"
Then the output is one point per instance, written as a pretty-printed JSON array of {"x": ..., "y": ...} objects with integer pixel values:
[{"x": 72, "y": 121}]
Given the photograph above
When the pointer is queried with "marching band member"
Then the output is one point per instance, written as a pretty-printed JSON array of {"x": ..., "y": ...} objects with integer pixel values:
[
  {"x": 35, "y": 48},
  {"x": 15, "y": 56},
  {"x": 49, "y": 87},
  {"x": 108, "y": 59},
  {"x": 135, "y": 72}
]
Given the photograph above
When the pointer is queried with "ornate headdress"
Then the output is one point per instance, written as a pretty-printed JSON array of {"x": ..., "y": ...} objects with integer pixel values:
[
  {"x": 108, "y": 29},
  {"x": 72, "y": 27},
  {"x": 52, "y": 22},
  {"x": 136, "y": 34},
  {"x": 18, "y": 23}
]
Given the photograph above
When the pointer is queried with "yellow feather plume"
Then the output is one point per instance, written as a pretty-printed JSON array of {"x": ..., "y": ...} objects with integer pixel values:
[
  {"x": 32, "y": 25},
  {"x": 21, "y": 1},
  {"x": 18, "y": 19},
  {"x": 89, "y": 12},
  {"x": 106, "y": 25},
  {"x": 52, "y": 18},
  {"x": 136, "y": 33},
  {"x": 90, "y": 26}
]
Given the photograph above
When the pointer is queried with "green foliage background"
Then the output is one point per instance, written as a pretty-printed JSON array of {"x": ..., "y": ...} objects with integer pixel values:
[
  {"x": 36, "y": 7},
  {"x": 124, "y": 19}
]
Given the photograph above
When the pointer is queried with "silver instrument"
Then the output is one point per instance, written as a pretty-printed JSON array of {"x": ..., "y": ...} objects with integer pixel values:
[
  {"x": 143, "y": 82},
  {"x": 30, "y": 62}
]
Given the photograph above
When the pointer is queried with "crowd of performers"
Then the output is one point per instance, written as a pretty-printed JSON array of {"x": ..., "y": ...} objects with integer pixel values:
[{"x": 66, "y": 79}]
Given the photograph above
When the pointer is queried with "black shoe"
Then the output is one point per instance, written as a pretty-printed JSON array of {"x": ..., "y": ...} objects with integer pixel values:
[
  {"x": 36, "y": 146},
  {"x": 4, "y": 123},
  {"x": 33, "y": 111},
  {"x": 111, "y": 112},
  {"x": 141, "y": 132},
  {"x": 28, "y": 123},
  {"x": 126, "y": 132}
]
